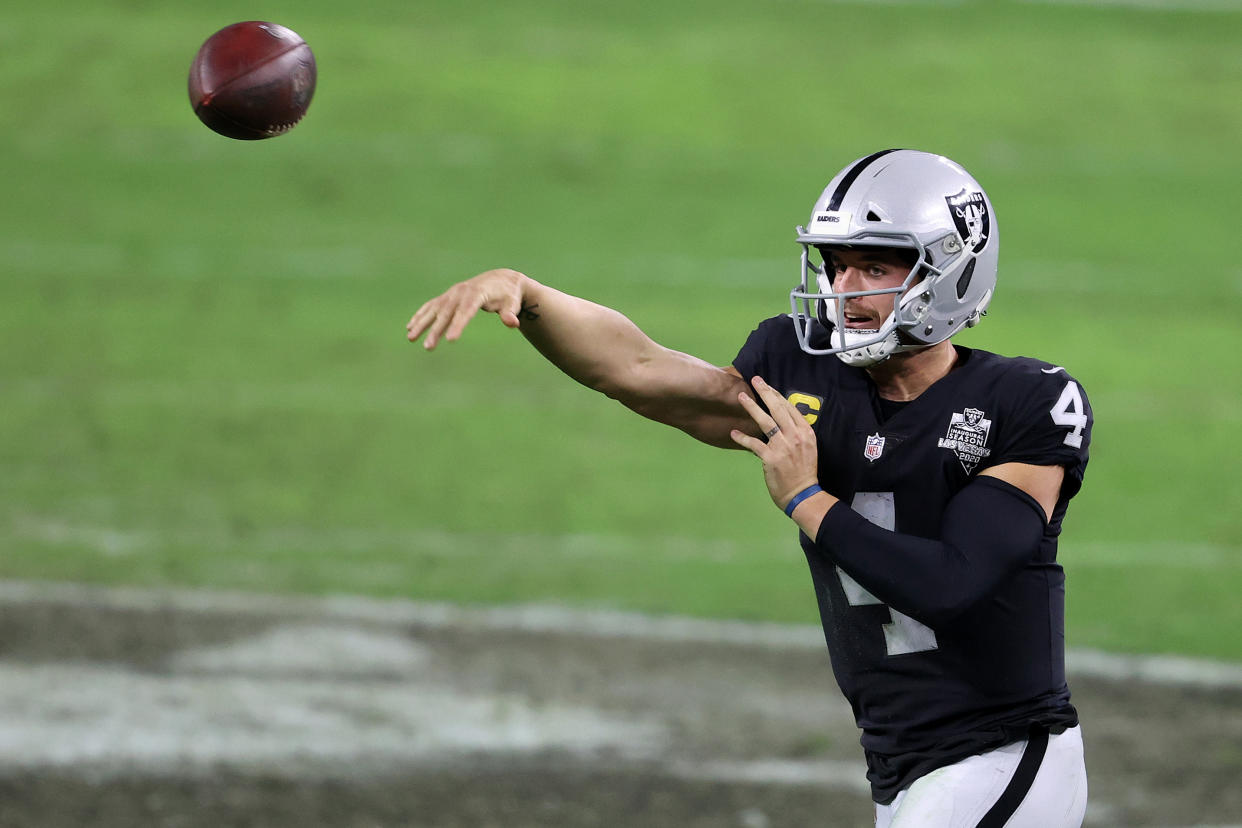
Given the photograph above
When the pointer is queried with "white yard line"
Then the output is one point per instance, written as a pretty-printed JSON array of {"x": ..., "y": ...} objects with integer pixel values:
[
  {"x": 1151, "y": 669},
  {"x": 850, "y": 776},
  {"x": 283, "y": 717}
]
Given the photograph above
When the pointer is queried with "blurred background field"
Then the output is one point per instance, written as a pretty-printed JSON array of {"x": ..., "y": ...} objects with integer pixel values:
[{"x": 203, "y": 369}]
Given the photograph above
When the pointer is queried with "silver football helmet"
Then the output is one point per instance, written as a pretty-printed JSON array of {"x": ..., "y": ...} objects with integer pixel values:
[{"x": 905, "y": 199}]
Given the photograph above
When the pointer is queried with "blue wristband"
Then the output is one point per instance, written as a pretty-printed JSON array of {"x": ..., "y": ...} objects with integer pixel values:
[{"x": 801, "y": 496}]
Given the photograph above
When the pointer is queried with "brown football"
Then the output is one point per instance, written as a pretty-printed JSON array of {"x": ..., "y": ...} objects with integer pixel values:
[{"x": 252, "y": 80}]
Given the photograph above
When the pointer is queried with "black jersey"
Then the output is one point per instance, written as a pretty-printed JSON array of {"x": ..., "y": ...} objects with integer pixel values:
[{"x": 927, "y": 697}]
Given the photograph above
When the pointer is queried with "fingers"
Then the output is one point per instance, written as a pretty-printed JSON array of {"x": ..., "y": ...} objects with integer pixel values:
[
  {"x": 443, "y": 316},
  {"x": 420, "y": 320},
  {"x": 751, "y": 444},
  {"x": 789, "y": 453},
  {"x": 447, "y": 316},
  {"x": 509, "y": 310},
  {"x": 780, "y": 414},
  {"x": 457, "y": 323},
  {"x": 761, "y": 417},
  {"x": 757, "y": 446},
  {"x": 783, "y": 413}
]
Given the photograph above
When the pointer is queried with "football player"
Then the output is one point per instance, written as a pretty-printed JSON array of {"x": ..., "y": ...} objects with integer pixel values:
[{"x": 929, "y": 480}]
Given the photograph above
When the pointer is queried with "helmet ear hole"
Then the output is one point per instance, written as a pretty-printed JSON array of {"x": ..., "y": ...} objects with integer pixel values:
[{"x": 963, "y": 281}]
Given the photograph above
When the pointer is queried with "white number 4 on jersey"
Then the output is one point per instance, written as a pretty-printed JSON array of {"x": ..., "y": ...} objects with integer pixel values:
[{"x": 1069, "y": 411}]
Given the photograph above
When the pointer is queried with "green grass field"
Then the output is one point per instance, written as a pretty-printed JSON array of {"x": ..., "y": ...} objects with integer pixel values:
[{"x": 204, "y": 374}]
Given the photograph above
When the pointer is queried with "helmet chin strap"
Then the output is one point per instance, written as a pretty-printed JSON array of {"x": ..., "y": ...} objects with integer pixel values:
[
  {"x": 863, "y": 356},
  {"x": 861, "y": 349}
]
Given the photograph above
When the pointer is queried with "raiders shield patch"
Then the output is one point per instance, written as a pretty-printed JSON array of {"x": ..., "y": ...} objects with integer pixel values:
[
  {"x": 970, "y": 216},
  {"x": 967, "y": 437}
]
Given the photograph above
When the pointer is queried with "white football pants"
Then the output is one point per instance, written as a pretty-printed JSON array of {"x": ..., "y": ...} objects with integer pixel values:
[{"x": 994, "y": 789}]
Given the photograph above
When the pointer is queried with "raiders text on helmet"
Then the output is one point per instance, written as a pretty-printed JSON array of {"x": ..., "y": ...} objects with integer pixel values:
[{"x": 904, "y": 199}]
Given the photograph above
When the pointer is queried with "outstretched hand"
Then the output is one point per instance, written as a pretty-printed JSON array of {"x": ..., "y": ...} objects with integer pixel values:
[
  {"x": 446, "y": 316},
  {"x": 790, "y": 456}
]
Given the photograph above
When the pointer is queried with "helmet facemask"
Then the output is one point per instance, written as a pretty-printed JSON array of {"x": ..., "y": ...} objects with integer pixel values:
[{"x": 820, "y": 311}]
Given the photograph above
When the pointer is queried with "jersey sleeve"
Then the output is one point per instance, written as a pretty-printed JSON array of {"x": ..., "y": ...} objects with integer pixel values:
[
  {"x": 1050, "y": 422},
  {"x": 755, "y": 356}
]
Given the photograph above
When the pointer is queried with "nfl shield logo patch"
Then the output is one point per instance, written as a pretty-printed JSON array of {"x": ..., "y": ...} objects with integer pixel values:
[{"x": 875, "y": 447}]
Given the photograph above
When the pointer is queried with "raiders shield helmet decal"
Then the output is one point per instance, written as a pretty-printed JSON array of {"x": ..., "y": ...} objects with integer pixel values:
[{"x": 970, "y": 216}]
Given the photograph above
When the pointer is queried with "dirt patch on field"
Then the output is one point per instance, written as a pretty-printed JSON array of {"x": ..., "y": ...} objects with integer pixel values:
[{"x": 135, "y": 709}]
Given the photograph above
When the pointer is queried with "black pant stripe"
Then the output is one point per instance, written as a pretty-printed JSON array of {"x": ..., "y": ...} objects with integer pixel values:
[{"x": 1020, "y": 784}]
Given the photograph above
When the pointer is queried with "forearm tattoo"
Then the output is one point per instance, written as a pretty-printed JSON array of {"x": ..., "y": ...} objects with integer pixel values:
[{"x": 527, "y": 312}]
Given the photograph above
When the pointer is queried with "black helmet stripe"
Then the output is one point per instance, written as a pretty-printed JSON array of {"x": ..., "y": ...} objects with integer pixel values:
[{"x": 850, "y": 177}]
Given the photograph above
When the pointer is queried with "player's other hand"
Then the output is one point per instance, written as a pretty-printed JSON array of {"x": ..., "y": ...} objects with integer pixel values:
[
  {"x": 446, "y": 316},
  {"x": 790, "y": 455}
]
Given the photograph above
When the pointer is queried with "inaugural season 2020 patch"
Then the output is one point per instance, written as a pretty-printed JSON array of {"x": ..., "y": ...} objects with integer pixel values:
[{"x": 968, "y": 437}]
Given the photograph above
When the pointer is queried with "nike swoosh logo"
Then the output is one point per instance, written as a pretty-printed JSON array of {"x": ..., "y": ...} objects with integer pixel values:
[{"x": 1051, "y": 370}]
